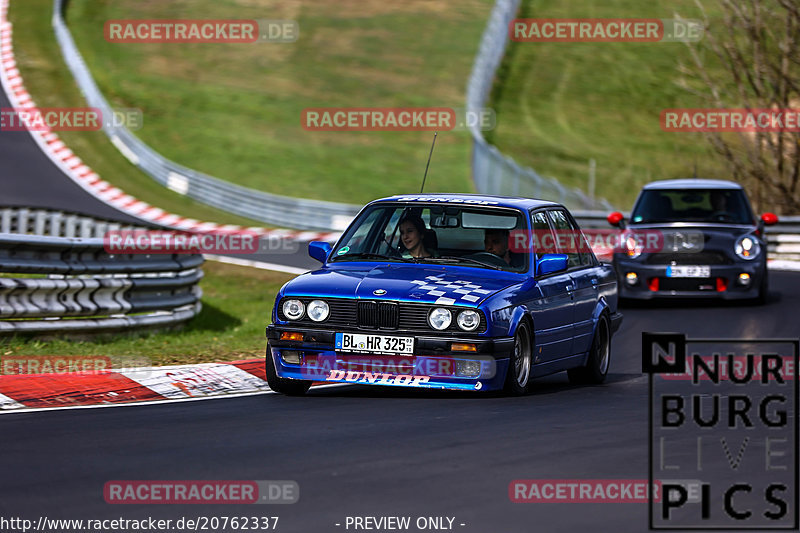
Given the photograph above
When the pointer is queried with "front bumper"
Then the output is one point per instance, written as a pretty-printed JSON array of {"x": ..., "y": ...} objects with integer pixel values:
[
  {"x": 433, "y": 365},
  {"x": 723, "y": 282}
]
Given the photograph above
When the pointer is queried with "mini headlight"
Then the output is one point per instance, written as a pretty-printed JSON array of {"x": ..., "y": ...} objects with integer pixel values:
[
  {"x": 318, "y": 310},
  {"x": 293, "y": 309},
  {"x": 632, "y": 247},
  {"x": 747, "y": 247},
  {"x": 468, "y": 320},
  {"x": 440, "y": 318}
]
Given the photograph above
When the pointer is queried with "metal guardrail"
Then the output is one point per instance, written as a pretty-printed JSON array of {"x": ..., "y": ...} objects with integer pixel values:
[
  {"x": 56, "y": 277},
  {"x": 492, "y": 171},
  {"x": 273, "y": 209}
]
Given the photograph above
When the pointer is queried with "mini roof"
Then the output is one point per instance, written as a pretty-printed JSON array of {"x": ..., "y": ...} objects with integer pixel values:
[{"x": 694, "y": 183}]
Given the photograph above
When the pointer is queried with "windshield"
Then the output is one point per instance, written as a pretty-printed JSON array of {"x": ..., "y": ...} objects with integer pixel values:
[
  {"x": 468, "y": 236},
  {"x": 726, "y": 206}
]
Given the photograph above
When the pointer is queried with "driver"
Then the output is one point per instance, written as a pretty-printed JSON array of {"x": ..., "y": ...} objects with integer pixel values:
[
  {"x": 719, "y": 203},
  {"x": 495, "y": 242}
]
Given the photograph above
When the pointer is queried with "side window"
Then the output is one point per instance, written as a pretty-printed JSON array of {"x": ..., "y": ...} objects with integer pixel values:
[
  {"x": 568, "y": 238},
  {"x": 542, "y": 235},
  {"x": 584, "y": 248}
]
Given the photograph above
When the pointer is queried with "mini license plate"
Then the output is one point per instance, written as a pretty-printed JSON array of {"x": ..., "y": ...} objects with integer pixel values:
[
  {"x": 359, "y": 342},
  {"x": 688, "y": 271}
]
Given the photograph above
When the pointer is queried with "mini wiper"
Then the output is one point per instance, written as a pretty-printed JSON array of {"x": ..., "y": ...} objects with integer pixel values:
[
  {"x": 370, "y": 255},
  {"x": 453, "y": 258}
]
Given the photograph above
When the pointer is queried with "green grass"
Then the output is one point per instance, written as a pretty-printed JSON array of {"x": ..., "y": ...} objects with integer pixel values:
[
  {"x": 233, "y": 110},
  {"x": 237, "y": 303},
  {"x": 560, "y": 104}
]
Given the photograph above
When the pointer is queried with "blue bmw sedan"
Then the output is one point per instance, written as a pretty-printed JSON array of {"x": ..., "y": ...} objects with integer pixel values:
[{"x": 448, "y": 291}]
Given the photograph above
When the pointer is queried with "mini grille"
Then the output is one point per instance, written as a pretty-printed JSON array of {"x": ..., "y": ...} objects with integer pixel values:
[{"x": 700, "y": 258}]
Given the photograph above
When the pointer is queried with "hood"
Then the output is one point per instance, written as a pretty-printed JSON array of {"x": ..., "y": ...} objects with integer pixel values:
[{"x": 402, "y": 282}]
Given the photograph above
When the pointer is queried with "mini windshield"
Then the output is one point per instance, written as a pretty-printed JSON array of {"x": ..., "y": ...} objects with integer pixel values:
[
  {"x": 445, "y": 234},
  {"x": 725, "y": 206}
]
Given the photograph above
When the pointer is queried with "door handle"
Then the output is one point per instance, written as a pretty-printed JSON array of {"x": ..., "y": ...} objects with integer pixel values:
[{"x": 594, "y": 283}]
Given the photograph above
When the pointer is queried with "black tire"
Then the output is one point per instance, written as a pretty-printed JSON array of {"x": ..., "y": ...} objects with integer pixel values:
[
  {"x": 289, "y": 387},
  {"x": 599, "y": 360},
  {"x": 518, "y": 375}
]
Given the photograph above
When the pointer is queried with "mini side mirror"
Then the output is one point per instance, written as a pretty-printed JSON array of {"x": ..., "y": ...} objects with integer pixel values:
[
  {"x": 769, "y": 219},
  {"x": 616, "y": 219}
]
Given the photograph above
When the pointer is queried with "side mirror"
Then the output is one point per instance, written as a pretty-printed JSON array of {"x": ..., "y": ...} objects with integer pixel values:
[
  {"x": 550, "y": 263},
  {"x": 769, "y": 219},
  {"x": 319, "y": 250},
  {"x": 616, "y": 219}
]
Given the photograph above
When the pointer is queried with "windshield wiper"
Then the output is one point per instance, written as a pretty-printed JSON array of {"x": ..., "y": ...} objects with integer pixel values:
[
  {"x": 371, "y": 255},
  {"x": 451, "y": 258}
]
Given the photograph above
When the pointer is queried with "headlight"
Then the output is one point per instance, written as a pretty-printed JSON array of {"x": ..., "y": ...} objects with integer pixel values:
[
  {"x": 468, "y": 320},
  {"x": 318, "y": 310},
  {"x": 440, "y": 318},
  {"x": 293, "y": 309},
  {"x": 632, "y": 247},
  {"x": 747, "y": 247}
]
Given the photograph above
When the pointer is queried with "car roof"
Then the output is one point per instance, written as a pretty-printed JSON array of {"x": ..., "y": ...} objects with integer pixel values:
[
  {"x": 694, "y": 183},
  {"x": 472, "y": 199}
]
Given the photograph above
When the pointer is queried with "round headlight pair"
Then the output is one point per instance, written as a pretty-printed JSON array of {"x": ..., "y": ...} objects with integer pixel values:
[
  {"x": 747, "y": 247},
  {"x": 440, "y": 319},
  {"x": 318, "y": 310}
]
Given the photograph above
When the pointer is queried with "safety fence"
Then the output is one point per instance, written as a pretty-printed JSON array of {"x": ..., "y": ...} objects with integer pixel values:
[
  {"x": 56, "y": 277},
  {"x": 492, "y": 171}
]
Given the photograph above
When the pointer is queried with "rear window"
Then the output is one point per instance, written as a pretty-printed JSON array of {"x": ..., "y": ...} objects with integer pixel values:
[{"x": 722, "y": 206}]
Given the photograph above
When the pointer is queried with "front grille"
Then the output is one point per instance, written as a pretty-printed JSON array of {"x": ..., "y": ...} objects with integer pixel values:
[
  {"x": 376, "y": 314},
  {"x": 699, "y": 258},
  {"x": 381, "y": 315}
]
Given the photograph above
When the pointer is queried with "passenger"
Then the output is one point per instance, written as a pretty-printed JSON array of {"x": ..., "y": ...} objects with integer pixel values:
[{"x": 412, "y": 236}]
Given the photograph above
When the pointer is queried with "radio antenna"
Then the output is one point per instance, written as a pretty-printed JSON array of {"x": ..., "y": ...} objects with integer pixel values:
[{"x": 435, "y": 133}]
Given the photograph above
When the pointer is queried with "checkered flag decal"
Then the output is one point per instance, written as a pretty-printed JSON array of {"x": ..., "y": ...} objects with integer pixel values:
[{"x": 448, "y": 292}]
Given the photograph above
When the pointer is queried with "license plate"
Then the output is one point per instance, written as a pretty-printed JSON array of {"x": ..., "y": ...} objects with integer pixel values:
[
  {"x": 687, "y": 271},
  {"x": 359, "y": 342}
]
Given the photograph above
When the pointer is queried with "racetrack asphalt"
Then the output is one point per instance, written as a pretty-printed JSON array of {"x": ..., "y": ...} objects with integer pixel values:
[{"x": 360, "y": 451}]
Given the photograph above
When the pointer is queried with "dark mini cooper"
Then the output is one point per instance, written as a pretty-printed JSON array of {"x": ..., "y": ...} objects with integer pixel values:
[
  {"x": 692, "y": 238},
  {"x": 447, "y": 291}
]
